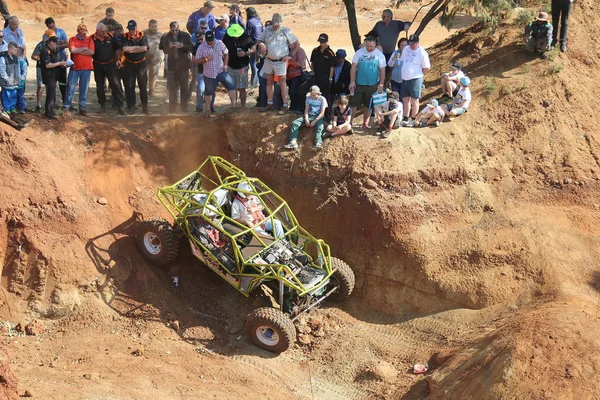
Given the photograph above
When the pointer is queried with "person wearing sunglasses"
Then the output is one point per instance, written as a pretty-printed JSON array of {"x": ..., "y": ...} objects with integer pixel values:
[{"x": 177, "y": 45}]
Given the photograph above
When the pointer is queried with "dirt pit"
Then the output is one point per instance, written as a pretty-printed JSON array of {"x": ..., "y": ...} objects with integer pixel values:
[{"x": 475, "y": 246}]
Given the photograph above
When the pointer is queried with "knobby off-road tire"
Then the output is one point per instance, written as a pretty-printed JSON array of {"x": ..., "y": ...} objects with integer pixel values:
[
  {"x": 342, "y": 277},
  {"x": 157, "y": 241},
  {"x": 271, "y": 329}
]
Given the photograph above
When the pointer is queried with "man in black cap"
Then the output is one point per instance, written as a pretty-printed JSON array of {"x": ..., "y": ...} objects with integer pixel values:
[
  {"x": 50, "y": 65},
  {"x": 322, "y": 61},
  {"x": 177, "y": 45},
  {"x": 105, "y": 67},
  {"x": 135, "y": 67},
  {"x": 341, "y": 75}
]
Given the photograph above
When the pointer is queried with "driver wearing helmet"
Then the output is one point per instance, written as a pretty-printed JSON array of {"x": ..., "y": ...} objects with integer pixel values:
[{"x": 248, "y": 210}]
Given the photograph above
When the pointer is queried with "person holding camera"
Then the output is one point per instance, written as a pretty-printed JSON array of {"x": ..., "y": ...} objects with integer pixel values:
[
  {"x": 240, "y": 47},
  {"x": 177, "y": 45}
]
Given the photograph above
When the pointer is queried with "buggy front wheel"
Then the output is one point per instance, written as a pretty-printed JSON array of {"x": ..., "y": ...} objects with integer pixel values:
[
  {"x": 271, "y": 329},
  {"x": 157, "y": 241},
  {"x": 343, "y": 278}
]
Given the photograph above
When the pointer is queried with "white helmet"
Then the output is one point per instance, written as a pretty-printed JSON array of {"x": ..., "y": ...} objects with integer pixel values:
[{"x": 244, "y": 186}]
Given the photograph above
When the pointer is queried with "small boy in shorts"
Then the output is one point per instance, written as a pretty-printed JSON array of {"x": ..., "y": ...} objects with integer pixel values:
[
  {"x": 461, "y": 100},
  {"x": 432, "y": 114}
]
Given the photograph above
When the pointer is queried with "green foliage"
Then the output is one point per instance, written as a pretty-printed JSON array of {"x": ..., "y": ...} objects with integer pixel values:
[
  {"x": 555, "y": 68},
  {"x": 552, "y": 54},
  {"x": 523, "y": 18},
  {"x": 490, "y": 86}
]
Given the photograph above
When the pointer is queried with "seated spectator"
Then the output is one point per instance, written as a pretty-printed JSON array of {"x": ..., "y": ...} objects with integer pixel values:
[
  {"x": 390, "y": 116},
  {"x": 295, "y": 78},
  {"x": 450, "y": 80},
  {"x": 538, "y": 35},
  {"x": 314, "y": 113},
  {"x": 341, "y": 122},
  {"x": 396, "y": 65},
  {"x": 432, "y": 114},
  {"x": 461, "y": 100}
]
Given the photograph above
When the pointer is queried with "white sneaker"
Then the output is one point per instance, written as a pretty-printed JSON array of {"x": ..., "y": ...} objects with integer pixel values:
[
  {"x": 292, "y": 145},
  {"x": 404, "y": 123},
  {"x": 411, "y": 123}
]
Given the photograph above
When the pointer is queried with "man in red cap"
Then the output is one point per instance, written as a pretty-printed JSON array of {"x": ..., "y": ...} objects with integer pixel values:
[
  {"x": 539, "y": 35},
  {"x": 82, "y": 49}
]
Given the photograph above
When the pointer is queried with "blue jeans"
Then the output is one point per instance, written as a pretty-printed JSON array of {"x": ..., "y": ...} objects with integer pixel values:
[
  {"x": 200, "y": 94},
  {"x": 254, "y": 70},
  {"x": 9, "y": 99},
  {"x": 294, "y": 85},
  {"x": 210, "y": 84},
  {"x": 269, "y": 227},
  {"x": 21, "y": 104},
  {"x": 83, "y": 77}
]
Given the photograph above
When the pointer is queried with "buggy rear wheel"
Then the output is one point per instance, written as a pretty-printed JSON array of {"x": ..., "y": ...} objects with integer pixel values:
[
  {"x": 271, "y": 329},
  {"x": 343, "y": 278},
  {"x": 157, "y": 241}
]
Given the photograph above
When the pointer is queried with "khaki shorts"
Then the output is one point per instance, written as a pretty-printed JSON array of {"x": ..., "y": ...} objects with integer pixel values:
[
  {"x": 362, "y": 95},
  {"x": 278, "y": 68},
  {"x": 239, "y": 76}
]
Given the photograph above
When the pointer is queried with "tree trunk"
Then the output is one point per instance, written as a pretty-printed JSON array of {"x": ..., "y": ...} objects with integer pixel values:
[
  {"x": 353, "y": 24},
  {"x": 433, "y": 12}
]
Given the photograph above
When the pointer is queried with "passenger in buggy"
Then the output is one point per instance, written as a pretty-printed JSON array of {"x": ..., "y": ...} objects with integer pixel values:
[{"x": 248, "y": 210}]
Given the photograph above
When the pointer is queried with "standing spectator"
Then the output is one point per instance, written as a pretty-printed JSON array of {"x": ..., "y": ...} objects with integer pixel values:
[
  {"x": 387, "y": 31},
  {"x": 62, "y": 45},
  {"x": 538, "y": 35},
  {"x": 431, "y": 114},
  {"x": 275, "y": 44},
  {"x": 3, "y": 43},
  {"x": 366, "y": 77},
  {"x": 50, "y": 64},
  {"x": 341, "y": 75},
  {"x": 295, "y": 78},
  {"x": 235, "y": 15},
  {"x": 240, "y": 48},
  {"x": 341, "y": 122},
  {"x": 214, "y": 56},
  {"x": 560, "y": 11},
  {"x": 199, "y": 70},
  {"x": 105, "y": 67},
  {"x": 109, "y": 20},
  {"x": 415, "y": 64},
  {"x": 461, "y": 100},
  {"x": 396, "y": 64},
  {"x": 254, "y": 29},
  {"x": 314, "y": 117},
  {"x": 450, "y": 80},
  {"x": 21, "y": 103},
  {"x": 193, "y": 81},
  {"x": 221, "y": 28},
  {"x": 203, "y": 14},
  {"x": 135, "y": 66},
  {"x": 178, "y": 46},
  {"x": 10, "y": 77},
  {"x": 82, "y": 49},
  {"x": 322, "y": 61},
  {"x": 4, "y": 11},
  {"x": 12, "y": 33},
  {"x": 390, "y": 115},
  {"x": 154, "y": 54},
  {"x": 38, "y": 70}
]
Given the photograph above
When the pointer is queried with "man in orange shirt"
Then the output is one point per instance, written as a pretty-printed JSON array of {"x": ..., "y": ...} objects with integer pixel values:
[{"x": 82, "y": 49}]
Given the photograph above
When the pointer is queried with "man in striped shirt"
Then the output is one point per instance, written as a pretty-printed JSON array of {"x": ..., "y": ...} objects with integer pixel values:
[{"x": 214, "y": 56}]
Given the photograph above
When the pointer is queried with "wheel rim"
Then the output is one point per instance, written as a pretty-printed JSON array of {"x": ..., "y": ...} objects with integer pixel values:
[
  {"x": 267, "y": 336},
  {"x": 152, "y": 243}
]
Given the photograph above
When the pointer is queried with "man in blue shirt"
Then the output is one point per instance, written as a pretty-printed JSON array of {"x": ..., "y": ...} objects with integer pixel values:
[
  {"x": 61, "y": 45},
  {"x": 203, "y": 14},
  {"x": 254, "y": 29},
  {"x": 12, "y": 33}
]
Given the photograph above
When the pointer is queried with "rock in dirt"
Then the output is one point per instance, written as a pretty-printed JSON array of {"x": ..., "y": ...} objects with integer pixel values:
[
  {"x": 27, "y": 394},
  {"x": 304, "y": 339},
  {"x": 102, "y": 201},
  {"x": 34, "y": 328},
  {"x": 370, "y": 183},
  {"x": 20, "y": 328},
  {"x": 138, "y": 352},
  {"x": 384, "y": 371},
  {"x": 546, "y": 103},
  {"x": 175, "y": 325}
]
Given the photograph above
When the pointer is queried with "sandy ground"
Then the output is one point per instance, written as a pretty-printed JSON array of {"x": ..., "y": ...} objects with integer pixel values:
[{"x": 474, "y": 244}]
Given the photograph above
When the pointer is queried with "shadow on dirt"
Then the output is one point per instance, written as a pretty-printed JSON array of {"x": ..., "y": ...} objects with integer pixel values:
[{"x": 208, "y": 312}]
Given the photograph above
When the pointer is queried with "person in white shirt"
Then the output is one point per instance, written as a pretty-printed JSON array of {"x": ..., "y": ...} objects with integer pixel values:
[
  {"x": 450, "y": 79},
  {"x": 432, "y": 114},
  {"x": 461, "y": 100},
  {"x": 389, "y": 116},
  {"x": 415, "y": 64},
  {"x": 247, "y": 209}
]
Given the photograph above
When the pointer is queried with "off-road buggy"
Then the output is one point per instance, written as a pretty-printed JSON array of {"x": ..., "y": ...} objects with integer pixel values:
[{"x": 296, "y": 269}]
